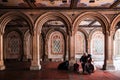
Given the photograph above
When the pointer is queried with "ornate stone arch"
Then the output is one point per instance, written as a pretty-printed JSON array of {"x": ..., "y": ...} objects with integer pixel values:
[
  {"x": 98, "y": 16},
  {"x": 49, "y": 16},
  {"x": 4, "y": 20},
  {"x": 7, "y": 17}
]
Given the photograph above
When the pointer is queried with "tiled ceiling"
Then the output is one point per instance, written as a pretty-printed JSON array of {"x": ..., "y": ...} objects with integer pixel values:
[{"x": 59, "y": 4}]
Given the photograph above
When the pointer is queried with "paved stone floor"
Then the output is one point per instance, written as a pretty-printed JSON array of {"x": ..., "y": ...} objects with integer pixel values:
[{"x": 20, "y": 71}]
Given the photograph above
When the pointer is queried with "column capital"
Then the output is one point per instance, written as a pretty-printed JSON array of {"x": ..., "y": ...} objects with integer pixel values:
[
  {"x": 107, "y": 33},
  {"x": 72, "y": 33},
  {"x": 112, "y": 32}
]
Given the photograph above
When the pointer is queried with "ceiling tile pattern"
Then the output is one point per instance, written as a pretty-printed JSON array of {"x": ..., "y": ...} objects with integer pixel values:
[{"x": 59, "y": 3}]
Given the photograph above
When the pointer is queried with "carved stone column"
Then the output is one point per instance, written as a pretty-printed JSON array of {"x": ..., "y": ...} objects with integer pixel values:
[
  {"x": 88, "y": 46},
  {"x": 108, "y": 61},
  {"x": 2, "y": 66},
  {"x": 72, "y": 47},
  {"x": 67, "y": 48},
  {"x": 110, "y": 64},
  {"x": 35, "y": 64}
]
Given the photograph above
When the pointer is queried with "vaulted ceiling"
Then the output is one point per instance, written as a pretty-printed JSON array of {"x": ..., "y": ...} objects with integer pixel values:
[{"x": 64, "y": 4}]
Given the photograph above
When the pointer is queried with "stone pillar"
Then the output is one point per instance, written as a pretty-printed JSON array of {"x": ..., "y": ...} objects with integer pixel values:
[
  {"x": 44, "y": 51},
  {"x": 110, "y": 64},
  {"x": 67, "y": 53},
  {"x": 108, "y": 61},
  {"x": 88, "y": 46},
  {"x": 72, "y": 47},
  {"x": 2, "y": 66},
  {"x": 35, "y": 64}
]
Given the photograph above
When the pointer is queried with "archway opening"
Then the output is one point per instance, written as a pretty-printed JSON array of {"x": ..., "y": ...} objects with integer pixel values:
[
  {"x": 53, "y": 40},
  {"x": 15, "y": 46},
  {"x": 93, "y": 37},
  {"x": 97, "y": 47}
]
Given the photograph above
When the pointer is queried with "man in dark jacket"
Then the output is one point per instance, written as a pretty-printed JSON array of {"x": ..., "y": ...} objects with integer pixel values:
[{"x": 83, "y": 61}]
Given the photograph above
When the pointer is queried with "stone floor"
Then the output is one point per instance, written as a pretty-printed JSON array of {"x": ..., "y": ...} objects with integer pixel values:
[{"x": 20, "y": 71}]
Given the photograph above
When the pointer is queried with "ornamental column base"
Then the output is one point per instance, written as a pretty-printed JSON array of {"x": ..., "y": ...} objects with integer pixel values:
[
  {"x": 2, "y": 66},
  {"x": 35, "y": 66},
  {"x": 109, "y": 66}
]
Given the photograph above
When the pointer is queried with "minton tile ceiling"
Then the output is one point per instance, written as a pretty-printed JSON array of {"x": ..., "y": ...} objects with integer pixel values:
[{"x": 59, "y": 3}]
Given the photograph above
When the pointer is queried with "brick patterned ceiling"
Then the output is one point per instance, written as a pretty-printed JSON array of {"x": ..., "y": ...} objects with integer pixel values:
[{"x": 59, "y": 4}]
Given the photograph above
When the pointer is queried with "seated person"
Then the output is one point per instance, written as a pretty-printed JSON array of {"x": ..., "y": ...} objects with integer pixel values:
[
  {"x": 89, "y": 67},
  {"x": 76, "y": 67},
  {"x": 64, "y": 65}
]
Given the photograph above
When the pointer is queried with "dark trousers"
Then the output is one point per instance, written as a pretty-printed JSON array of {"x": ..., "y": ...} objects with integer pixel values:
[{"x": 83, "y": 67}]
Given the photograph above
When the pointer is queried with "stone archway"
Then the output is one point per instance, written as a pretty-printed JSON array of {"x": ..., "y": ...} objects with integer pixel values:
[
  {"x": 5, "y": 19},
  {"x": 103, "y": 20},
  {"x": 37, "y": 31},
  {"x": 52, "y": 15},
  {"x": 99, "y": 17}
]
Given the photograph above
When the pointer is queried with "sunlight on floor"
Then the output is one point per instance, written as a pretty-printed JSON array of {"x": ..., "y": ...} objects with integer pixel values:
[{"x": 117, "y": 64}]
